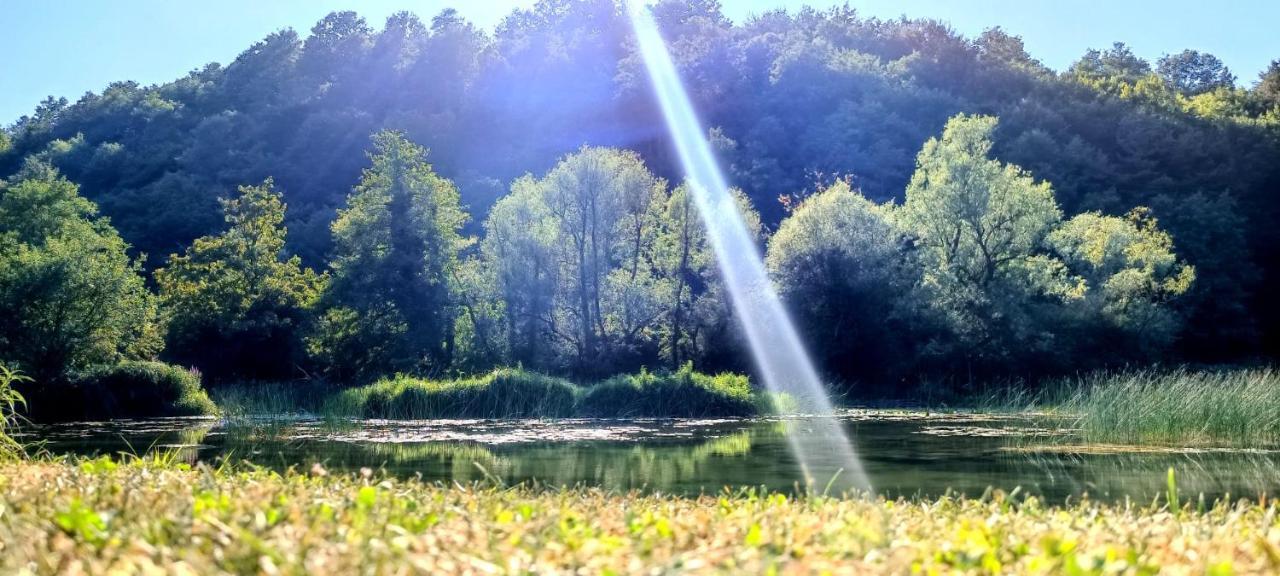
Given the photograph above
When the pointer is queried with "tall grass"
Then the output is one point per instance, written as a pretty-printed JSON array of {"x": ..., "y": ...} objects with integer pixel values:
[
  {"x": 10, "y": 399},
  {"x": 683, "y": 393},
  {"x": 1230, "y": 408},
  {"x": 130, "y": 389},
  {"x": 505, "y": 393},
  {"x": 516, "y": 393}
]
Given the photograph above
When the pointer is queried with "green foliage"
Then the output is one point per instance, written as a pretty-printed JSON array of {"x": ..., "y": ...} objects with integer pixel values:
[
  {"x": 10, "y": 400},
  {"x": 130, "y": 389},
  {"x": 976, "y": 223},
  {"x": 517, "y": 393},
  {"x": 235, "y": 304},
  {"x": 598, "y": 267},
  {"x": 1130, "y": 268},
  {"x": 505, "y": 393},
  {"x": 70, "y": 295},
  {"x": 391, "y": 302},
  {"x": 1191, "y": 72},
  {"x": 681, "y": 394},
  {"x": 838, "y": 262}
]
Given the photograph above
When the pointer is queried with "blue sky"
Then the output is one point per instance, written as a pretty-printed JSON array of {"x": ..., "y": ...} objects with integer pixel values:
[{"x": 68, "y": 47}]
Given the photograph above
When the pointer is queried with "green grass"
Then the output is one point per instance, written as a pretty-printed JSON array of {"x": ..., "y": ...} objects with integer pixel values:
[
  {"x": 157, "y": 515},
  {"x": 130, "y": 389},
  {"x": 516, "y": 393},
  {"x": 1230, "y": 408},
  {"x": 683, "y": 393},
  {"x": 10, "y": 400},
  {"x": 504, "y": 393}
]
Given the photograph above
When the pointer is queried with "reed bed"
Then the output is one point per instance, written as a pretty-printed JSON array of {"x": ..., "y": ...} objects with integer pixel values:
[
  {"x": 1233, "y": 408},
  {"x": 515, "y": 393},
  {"x": 149, "y": 515}
]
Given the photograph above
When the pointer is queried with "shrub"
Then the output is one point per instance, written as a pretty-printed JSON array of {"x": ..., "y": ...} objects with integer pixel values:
[
  {"x": 506, "y": 393},
  {"x": 131, "y": 389},
  {"x": 680, "y": 394}
]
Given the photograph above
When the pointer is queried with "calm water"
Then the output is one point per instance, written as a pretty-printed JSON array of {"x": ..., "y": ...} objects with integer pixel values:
[{"x": 903, "y": 453}]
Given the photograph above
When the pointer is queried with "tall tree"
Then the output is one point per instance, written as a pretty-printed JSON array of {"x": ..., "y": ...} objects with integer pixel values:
[
  {"x": 1191, "y": 72},
  {"x": 236, "y": 305},
  {"x": 976, "y": 223},
  {"x": 852, "y": 285},
  {"x": 391, "y": 300},
  {"x": 70, "y": 295},
  {"x": 588, "y": 230}
]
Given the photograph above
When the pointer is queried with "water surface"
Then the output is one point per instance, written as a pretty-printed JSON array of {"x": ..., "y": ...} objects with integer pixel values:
[{"x": 904, "y": 453}]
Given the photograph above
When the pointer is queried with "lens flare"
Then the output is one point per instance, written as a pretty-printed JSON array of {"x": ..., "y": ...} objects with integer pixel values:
[{"x": 817, "y": 440}]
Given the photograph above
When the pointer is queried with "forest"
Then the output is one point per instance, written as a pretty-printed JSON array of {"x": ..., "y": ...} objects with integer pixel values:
[{"x": 436, "y": 200}]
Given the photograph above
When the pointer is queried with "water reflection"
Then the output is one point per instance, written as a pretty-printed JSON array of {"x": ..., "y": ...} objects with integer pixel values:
[{"x": 904, "y": 453}]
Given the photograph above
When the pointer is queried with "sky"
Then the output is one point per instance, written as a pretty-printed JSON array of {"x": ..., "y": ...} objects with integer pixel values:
[{"x": 68, "y": 47}]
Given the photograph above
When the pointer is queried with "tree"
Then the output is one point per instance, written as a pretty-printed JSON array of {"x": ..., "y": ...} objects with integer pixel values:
[
  {"x": 596, "y": 216},
  {"x": 976, "y": 224},
  {"x": 1131, "y": 272},
  {"x": 236, "y": 305},
  {"x": 1268, "y": 87},
  {"x": 697, "y": 324},
  {"x": 1191, "y": 72},
  {"x": 391, "y": 302},
  {"x": 70, "y": 295},
  {"x": 1118, "y": 63},
  {"x": 852, "y": 286}
]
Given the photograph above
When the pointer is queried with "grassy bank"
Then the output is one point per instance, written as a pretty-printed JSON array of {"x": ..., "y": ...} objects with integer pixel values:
[
  {"x": 514, "y": 393},
  {"x": 99, "y": 516}
]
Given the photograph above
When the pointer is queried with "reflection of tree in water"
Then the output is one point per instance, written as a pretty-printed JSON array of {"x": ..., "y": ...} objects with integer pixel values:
[{"x": 616, "y": 465}]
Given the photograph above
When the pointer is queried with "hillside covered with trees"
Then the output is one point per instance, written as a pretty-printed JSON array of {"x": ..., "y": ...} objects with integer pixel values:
[{"x": 432, "y": 198}]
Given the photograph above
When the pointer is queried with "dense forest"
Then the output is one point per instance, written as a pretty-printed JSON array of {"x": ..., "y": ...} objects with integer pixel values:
[{"x": 434, "y": 198}]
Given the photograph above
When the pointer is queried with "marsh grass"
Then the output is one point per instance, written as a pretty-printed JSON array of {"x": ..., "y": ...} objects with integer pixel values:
[
  {"x": 1227, "y": 408},
  {"x": 682, "y": 394},
  {"x": 152, "y": 515},
  {"x": 517, "y": 393},
  {"x": 504, "y": 393},
  {"x": 1234, "y": 408}
]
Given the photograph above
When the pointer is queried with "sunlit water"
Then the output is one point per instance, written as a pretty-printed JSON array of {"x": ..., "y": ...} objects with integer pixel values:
[
  {"x": 904, "y": 454},
  {"x": 820, "y": 448}
]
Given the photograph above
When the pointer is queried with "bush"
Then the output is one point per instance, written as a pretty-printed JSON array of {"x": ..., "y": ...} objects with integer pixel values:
[
  {"x": 680, "y": 394},
  {"x": 506, "y": 393},
  {"x": 132, "y": 389}
]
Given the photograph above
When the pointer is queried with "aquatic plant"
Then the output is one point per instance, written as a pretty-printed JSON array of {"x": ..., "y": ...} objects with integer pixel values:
[
  {"x": 518, "y": 393},
  {"x": 150, "y": 515},
  {"x": 1236, "y": 408},
  {"x": 503, "y": 393},
  {"x": 683, "y": 393}
]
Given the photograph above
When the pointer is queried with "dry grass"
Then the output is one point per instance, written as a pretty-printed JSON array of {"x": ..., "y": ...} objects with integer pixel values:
[{"x": 100, "y": 517}]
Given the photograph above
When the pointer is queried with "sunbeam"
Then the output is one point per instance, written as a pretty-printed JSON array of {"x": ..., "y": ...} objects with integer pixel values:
[{"x": 820, "y": 445}]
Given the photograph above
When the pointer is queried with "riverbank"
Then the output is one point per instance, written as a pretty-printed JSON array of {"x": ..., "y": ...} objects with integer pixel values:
[{"x": 97, "y": 516}]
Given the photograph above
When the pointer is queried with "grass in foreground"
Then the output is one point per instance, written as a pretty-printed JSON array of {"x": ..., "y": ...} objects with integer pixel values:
[{"x": 100, "y": 516}]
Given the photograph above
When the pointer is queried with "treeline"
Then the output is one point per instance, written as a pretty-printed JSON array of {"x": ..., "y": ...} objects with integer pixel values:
[
  {"x": 597, "y": 267},
  {"x": 797, "y": 102}
]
